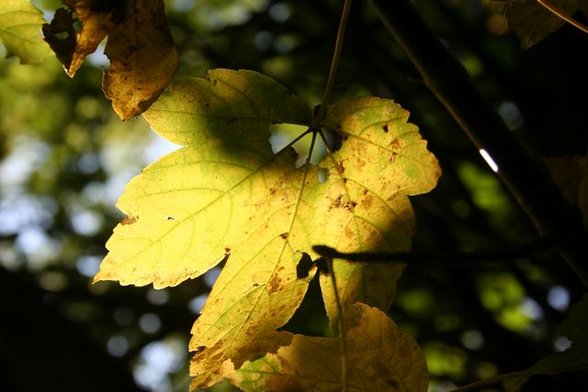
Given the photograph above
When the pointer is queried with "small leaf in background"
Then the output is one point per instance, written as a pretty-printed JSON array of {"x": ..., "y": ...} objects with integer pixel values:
[
  {"x": 20, "y": 31},
  {"x": 574, "y": 327},
  {"x": 570, "y": 173},
  {"x": 532, "y": 22},
  {"x": 379, "y": 357},
  {"x": 142, "y": 57}
]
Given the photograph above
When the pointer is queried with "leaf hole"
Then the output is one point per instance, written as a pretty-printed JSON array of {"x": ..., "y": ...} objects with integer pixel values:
[{"x": 282, "y": 136}]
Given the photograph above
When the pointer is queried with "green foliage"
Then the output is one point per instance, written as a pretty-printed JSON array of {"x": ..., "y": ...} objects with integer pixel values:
[{"x": 20, "y": 25}]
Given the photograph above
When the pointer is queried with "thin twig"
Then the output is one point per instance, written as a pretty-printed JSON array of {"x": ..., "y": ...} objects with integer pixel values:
[{"x": 326, "y": 101}]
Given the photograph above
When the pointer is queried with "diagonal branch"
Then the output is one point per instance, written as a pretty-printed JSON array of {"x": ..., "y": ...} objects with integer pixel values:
[
  {"x": 525, "y": 178},
  {"x": 458, "y": 259},
  {"x": 560, "y": 14}
]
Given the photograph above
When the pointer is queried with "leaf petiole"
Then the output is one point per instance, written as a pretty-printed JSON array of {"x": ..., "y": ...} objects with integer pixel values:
[
  {"x": 341, "y": 322},
  {"x": 320, "y": 115}
]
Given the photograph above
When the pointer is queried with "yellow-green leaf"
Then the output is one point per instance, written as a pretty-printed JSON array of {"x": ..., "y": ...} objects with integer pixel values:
[
  {"x": 226, "y": 193},
  {"x": 383, "y": 160},
  {"x": 20, "y": 31},
  {"x": 379, "y": 357},
  {"x": 195, "y": 205}
]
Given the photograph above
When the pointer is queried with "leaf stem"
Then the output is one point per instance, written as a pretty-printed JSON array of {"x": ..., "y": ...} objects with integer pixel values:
[
  {"x": 559, "y": 13},
  {"x": 341, "y": 322},
  {"x": 334, "y": 65},
  {"x": 297, "y": 138},
  {"x": 311, "y": 148}
]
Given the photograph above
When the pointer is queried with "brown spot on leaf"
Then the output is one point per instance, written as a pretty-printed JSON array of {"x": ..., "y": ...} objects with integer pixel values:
[
  {"x": 337, "y": 202},
  {"x": 340, "y": 167},
  {"x": 274, "y": 284},
  {"x": 129, "y": 220},
  {"x": 385, "y": 128},
  {"x": 395, "y": 144},
  {"x": 199, "y": 349},
  {"x": 350, "y": 205},
  {"x": 284, "y": 236},
  {"x": 227, "y": 251},
  {"x": 367, "y": 202},
  {"x": 349, "y": 233}
]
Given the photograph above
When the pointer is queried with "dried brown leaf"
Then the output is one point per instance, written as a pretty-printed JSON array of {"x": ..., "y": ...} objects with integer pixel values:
[
  {"x": 142, "y": 58},
  {"x": 140, "y": 47},
  {"x": 98, "y": 19}
]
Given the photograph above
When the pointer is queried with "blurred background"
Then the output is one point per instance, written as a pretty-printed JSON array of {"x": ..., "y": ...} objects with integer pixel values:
[{"x": 65, "y": 158}]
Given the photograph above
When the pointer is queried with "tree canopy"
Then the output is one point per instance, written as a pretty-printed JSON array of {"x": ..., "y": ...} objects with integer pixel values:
[{"x": 304, "y": 194}]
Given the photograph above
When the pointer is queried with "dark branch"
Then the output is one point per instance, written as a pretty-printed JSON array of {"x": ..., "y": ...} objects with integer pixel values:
[
  {"x": 524, "y": 176},
  {"x": 446, "y": 258}
]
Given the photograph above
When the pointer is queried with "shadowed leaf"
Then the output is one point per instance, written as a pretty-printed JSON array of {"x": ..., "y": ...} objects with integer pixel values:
[
  {"x": 379, "y": 358},
  {"x": 570, "y": 173},
  {"x": 61, "y": 36}
]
